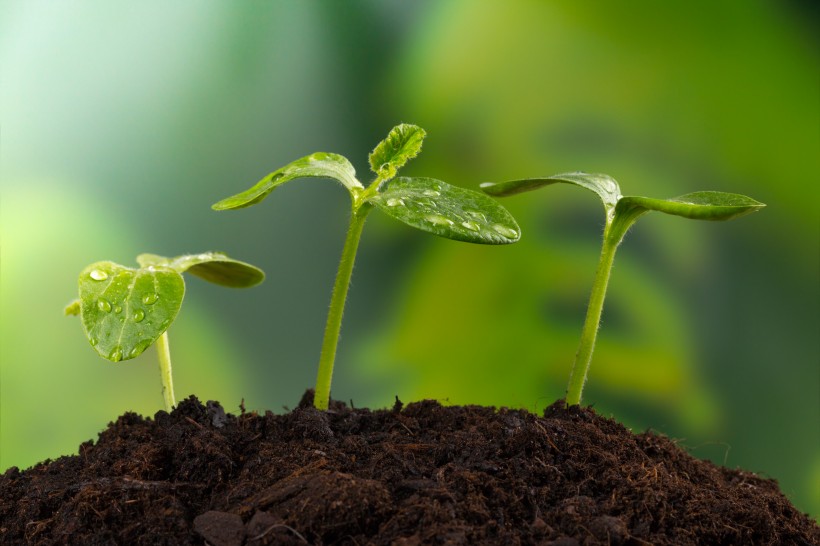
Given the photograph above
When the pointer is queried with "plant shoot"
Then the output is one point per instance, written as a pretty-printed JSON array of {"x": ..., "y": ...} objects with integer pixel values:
[
  {"x": 124, "y": 311},
  {"x": 621, "y": 213},
  {"x": 423, "y": 203}
]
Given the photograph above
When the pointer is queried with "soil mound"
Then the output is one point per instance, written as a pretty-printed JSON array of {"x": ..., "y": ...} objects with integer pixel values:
[{"x": 420, "y": 474}]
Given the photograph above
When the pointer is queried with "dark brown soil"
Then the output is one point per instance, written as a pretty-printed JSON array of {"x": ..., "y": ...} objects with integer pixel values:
[{"x": 423, "y": 474}]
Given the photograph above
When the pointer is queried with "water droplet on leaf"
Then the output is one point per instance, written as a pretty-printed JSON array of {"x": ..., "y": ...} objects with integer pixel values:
[
  {"x": 395, "y": 202},
  {"x": 140, "y": 347},
  {"x": 430, "y": 193},
  {"x": 98, "y": 275},
  {"x": 139, "y": 315},
  {"x": 472, "y": 226},
  {"x": 93, "y": 341},
  {"x": 438, "y": 220},
  {"x": 103, "y": 305},
  {"x": 477, "y": 215},
  {"x": 118, "y": 309},
  {"x": 150, "y": 299},
  {"x": 505, "y": 231},
  {"x": 116, "y": 354}
]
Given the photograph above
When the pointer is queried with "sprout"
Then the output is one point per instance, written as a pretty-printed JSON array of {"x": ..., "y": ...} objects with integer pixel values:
[
  {"x": 423, "y": 203},
  {"x": 621, "y": 213},
  {"x": 124, "y": 311}
]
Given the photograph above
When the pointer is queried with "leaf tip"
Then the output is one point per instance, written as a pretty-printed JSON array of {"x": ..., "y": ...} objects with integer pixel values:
[{"x": 72, "y": 308}]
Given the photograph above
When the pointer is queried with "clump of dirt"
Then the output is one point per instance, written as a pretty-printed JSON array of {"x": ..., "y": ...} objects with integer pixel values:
[{"x": 420, "y": 474}]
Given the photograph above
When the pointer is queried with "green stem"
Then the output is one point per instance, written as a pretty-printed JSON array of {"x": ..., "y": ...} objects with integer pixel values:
[
  {"x": 321, "y": 397},
  {"x": 164, "y": 353},
  {"x": 583, "y": 357}
]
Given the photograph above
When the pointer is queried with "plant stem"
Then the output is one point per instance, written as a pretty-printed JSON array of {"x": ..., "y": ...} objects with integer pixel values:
[
  {"x": 321, "y": 396},
  {"x": 583, "y": 357},
  {"x": 164, "y": 352}
]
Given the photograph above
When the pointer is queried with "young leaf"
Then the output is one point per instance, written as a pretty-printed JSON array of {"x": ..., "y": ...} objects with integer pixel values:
[
  {"x": 448, "y": 211},
  {"x": 318, "y": 165},
  {"x": 402, "y": 144},
  {"x": 701, "y": 205},
  {"x": 602, "y": 184},
  {"x": 72, "y": 309},
  {"x": 125, "y": 310},
  {"x": 214, "y": 267}
]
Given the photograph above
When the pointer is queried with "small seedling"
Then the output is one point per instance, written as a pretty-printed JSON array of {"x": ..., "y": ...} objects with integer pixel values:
[
  {"x": 423, "y": 203},
  {"x": 124, "y": 311},
  {"x": 621, "y": 213}
]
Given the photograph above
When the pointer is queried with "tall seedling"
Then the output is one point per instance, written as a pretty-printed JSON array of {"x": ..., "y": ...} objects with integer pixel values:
[
  {"x": 423, "y": 203},
  {"x": 621, "y": 213}
]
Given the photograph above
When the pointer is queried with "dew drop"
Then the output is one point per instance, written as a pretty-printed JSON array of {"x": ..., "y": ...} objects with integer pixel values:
[
  {"x": 118, "y": 309},
  {"x": 116, "y": 354},
  {"x": 438, "y": 220},
  {"x": 476, "y": 215},
  {"x": 139, "y": 315},
  {"x": 103, "y": 305},
  {"x": 472, "y": 226},
  {"x": 93, "y": 341},
  {"x": 430, "y": 193},
  {"x": 150, "y": 299},
  {"x": 139, "y": 348},
  {"x": 98, "y": 275},
  {"x": 505, "y": 231},
  {"x": 395, "y": 202}
]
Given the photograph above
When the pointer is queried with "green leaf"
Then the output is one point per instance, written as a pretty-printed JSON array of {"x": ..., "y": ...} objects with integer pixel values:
[
  {"x": 318, "y": 165},
  {"x": 402, "y": 144},
  {"x": 448, "y": 211},
  {"x": 73, "y": 308},
  {"x": 603, "y": 185},
  {"x": 214, "y": 267},
  {"x": 702, "y": 205},
  {"x": 123, "y": 310}
]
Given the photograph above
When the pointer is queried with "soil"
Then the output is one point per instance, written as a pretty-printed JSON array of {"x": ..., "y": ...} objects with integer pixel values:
[{"x": 420, "y": 474}]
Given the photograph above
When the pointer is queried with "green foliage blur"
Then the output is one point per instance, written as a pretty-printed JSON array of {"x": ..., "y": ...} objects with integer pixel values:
[{"x": 121, "y": 122}]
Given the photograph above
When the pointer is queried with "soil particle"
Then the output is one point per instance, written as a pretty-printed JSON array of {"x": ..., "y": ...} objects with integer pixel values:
[{"x": 411, "y": 475}]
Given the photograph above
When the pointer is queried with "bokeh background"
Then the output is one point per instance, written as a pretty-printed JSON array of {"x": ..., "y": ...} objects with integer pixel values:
[{"x": 122, "y": 122}]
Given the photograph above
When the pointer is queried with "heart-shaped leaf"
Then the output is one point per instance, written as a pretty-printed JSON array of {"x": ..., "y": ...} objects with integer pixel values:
[
  {"x": 701, "y": 205},
  {"x": 402, "y": 144},
  {"x": 318, "y": 165},
  {"x": 125, "y": 310},
  {"x": 214, "y": 267},
  {"x": 448, "y": 211},
  {"x": 602, "y": 184}
]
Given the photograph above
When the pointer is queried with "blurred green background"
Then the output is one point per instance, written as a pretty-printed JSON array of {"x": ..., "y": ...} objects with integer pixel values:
[{"x": 122, "y": 122}]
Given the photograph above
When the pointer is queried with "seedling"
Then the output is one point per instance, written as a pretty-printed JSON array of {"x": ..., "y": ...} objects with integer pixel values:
[
  {"x": 124, "y": 311},
  {"x": 621, "y": 213},
  {"x": 423, "y": 203}
]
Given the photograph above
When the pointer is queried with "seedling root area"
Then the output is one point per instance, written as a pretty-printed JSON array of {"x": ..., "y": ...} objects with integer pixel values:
[{"x": 420, "y": 474}]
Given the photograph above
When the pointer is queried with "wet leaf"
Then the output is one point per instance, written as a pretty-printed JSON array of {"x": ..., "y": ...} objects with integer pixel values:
[
  {"x": 448, "y": 211},
  {"x": 402, "y": 144},
  {"x": 317, "y": 165},
  {"x": 702, "y": 205},
  {"x": 124, "y": 310},
  {"x": 214, "y": 267},
  {"x": 603, "y": 185}
]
